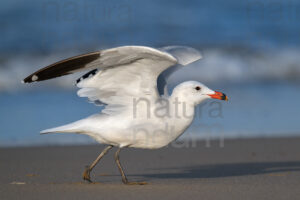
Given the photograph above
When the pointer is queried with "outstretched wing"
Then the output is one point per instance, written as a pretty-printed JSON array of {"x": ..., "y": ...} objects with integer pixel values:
[
  {"x": 119, "y": 74},
  {"x": 184, "y": 55}
]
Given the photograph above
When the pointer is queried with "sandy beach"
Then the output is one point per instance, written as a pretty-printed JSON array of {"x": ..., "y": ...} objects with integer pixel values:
[{"x": 242, "y": 169}]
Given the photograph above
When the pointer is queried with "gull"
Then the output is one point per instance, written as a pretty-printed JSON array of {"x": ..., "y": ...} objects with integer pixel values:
[{"x": 130, "y": 83}]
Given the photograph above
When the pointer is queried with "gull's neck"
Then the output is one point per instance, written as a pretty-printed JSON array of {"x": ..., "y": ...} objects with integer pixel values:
[{"x": 180, "y": 108}]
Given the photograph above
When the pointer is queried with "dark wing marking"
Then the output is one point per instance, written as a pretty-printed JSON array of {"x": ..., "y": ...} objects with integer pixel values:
[
  {"x": 87, "y": 75},
  {"x": 63, "y": 67}
]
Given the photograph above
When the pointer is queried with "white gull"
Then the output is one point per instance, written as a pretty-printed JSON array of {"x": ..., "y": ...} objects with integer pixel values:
[{"x": 130, "y": 82}]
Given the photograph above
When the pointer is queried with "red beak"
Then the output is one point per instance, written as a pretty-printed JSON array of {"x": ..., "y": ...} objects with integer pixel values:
[{"x": 219, "y": 95}]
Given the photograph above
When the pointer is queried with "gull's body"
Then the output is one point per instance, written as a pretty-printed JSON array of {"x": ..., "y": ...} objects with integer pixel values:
[
  {"x": 139, "y": 127},
  {"x": 130, "y": 82}
]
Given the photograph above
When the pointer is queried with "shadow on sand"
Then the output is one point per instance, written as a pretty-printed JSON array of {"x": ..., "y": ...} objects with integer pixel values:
[{"x": 227, "y": 170}]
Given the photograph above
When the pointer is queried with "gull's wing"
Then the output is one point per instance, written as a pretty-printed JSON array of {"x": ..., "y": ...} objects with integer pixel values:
[
  {"x": 119, "y": 74},
  {"x": 184, "y": 55}
]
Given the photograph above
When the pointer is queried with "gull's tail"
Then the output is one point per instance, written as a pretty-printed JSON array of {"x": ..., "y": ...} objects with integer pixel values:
[{"x": 75, "y": 127}]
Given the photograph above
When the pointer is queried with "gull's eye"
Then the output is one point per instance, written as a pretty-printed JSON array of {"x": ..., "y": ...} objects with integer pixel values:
[{"x": 198, "y": 88}]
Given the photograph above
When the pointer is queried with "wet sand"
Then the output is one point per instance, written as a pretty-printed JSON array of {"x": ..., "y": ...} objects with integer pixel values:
[{"x": 242, "y": 169}]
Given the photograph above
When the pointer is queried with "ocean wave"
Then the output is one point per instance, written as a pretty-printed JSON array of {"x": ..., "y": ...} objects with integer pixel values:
[
  {"x": 218, "y": 65},
  {"x": 243, "y": 65}
]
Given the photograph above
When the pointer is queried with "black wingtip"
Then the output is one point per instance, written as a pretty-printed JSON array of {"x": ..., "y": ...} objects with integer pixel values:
[
  {"x": 62, "y": 68},
  {"x": 31, "y": 78}
]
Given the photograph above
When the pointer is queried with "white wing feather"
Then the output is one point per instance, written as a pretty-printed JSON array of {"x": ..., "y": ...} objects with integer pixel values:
[{"x": 131, "y": 72}]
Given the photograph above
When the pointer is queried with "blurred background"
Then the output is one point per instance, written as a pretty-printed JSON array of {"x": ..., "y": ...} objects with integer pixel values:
[{"x": 250, "y": 47}]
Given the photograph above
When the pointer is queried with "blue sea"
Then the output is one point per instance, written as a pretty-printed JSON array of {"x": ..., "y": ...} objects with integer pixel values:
[{"x": 250, "y": 47}]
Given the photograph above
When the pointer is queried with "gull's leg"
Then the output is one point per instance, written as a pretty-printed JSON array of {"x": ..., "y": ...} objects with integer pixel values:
[
  {"x": 124, "y": 179},
  {"x": 88, "y": 169}
]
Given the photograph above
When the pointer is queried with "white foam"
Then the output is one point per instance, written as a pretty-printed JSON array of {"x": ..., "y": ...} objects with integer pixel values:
[{"x": 217, "y": 65}]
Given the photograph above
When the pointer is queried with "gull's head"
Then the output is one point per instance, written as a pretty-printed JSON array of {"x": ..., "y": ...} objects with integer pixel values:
[{"x": 195, "y": 92}]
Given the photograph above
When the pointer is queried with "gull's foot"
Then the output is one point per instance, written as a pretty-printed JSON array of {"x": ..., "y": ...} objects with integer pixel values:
[
  {"x": 86, "y": 174},
  {"x": 136, "y": 183}
]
